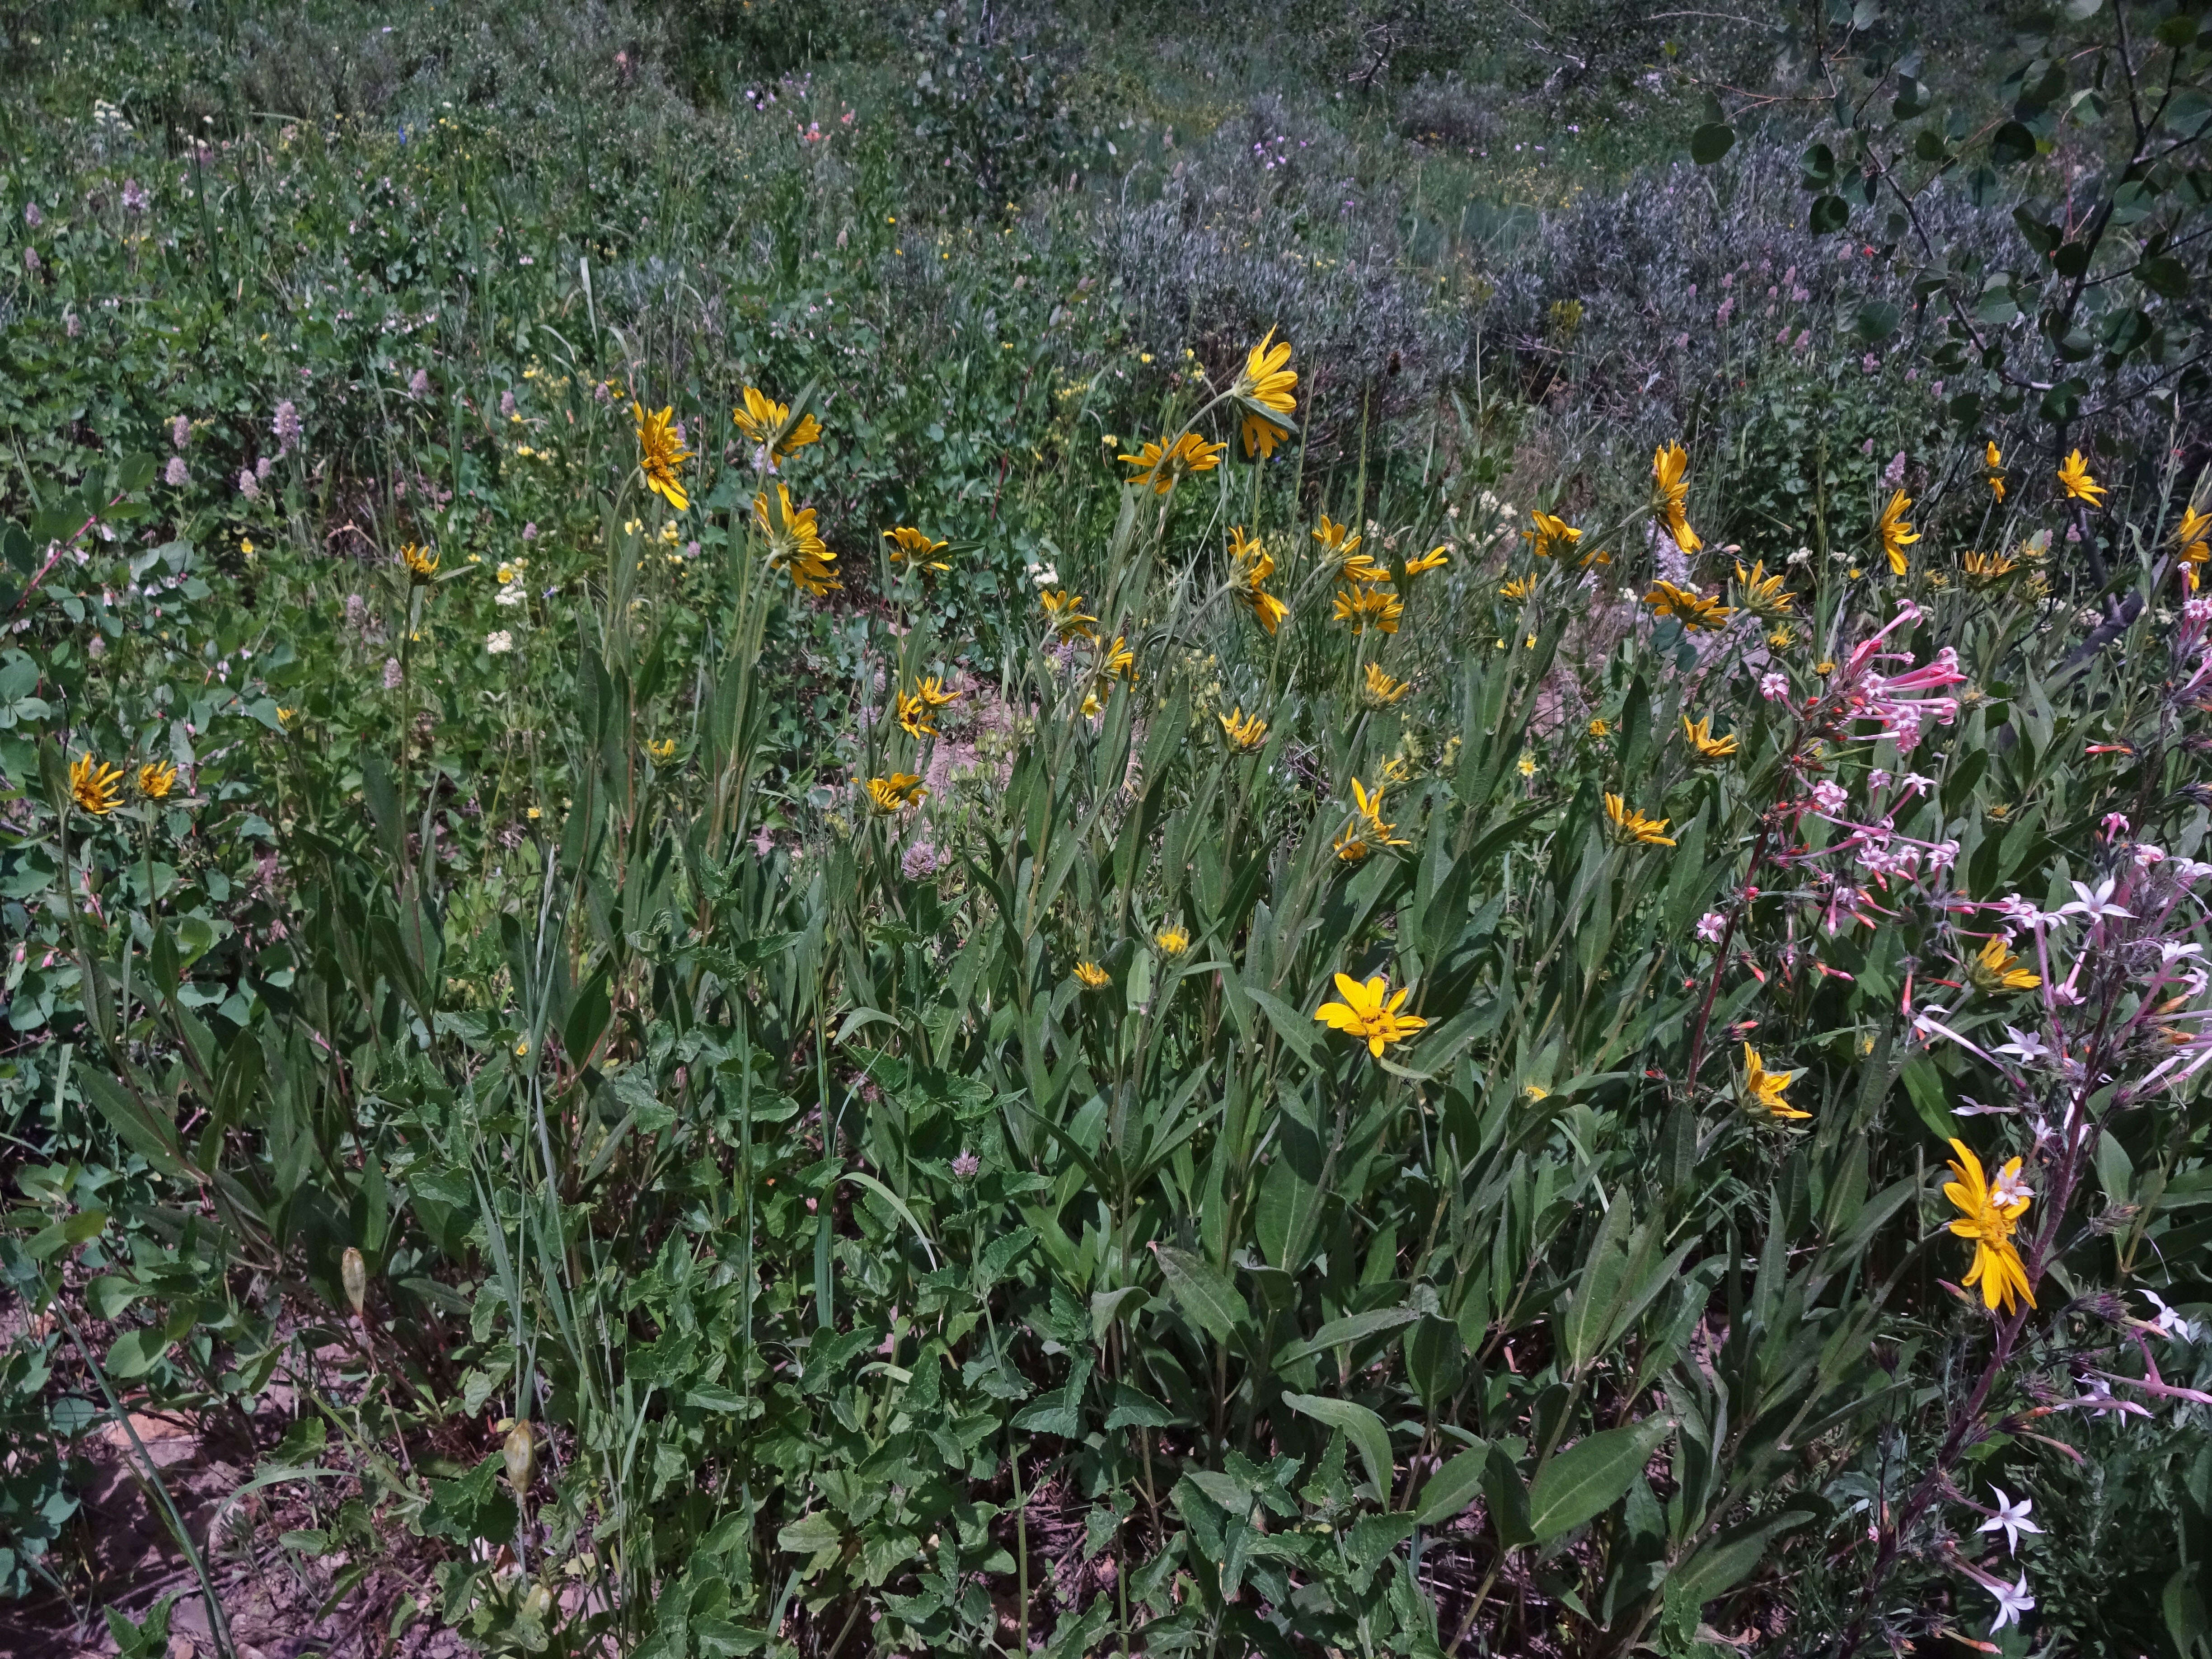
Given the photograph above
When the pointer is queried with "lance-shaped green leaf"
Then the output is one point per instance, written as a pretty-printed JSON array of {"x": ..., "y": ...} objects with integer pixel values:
[
  {"x": 1582, "y": 1482},
  {"x": 1205, "y": 1294},
  {"x": 1359, "y": 1426}
]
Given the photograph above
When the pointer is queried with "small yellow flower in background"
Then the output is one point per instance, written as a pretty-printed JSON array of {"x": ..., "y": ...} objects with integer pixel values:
[
  {"x": 1091, "y": 707},
  {"x": 1983, "y": 569},
  {"x": 1380, "y": 691},
  {"x": 1994, "y": 968},
  {"x": 1264, "y": 389},
  {"x": 1989, "y": 1211},
  {"x": 912, "y": 549},
  {"x": 660, "y": 454},
  {"x": 1670, "y": 478},
  {"x": 1633, "y": 828},
  {"x": 156, "y": 779},
  {"x": 1761, "y": 595},
  {"x": 2189, "y": 536},
  {"x": 1693, "y": 609},
  {"x": 1435, "y": 559},
  {"x": 1250, "y": 564},
  {"x": 1993, "y": 458},
  {"x": 1172, "y": 940},
  {"x": 1163, "y": 464},
  {"x": 1118, "y": 660},
  {"x": 1341, "y": 542},
  {"x": 900, "y": 789},
  {"x": 1896, "y": 532},
  {"x": 914, "y": 715},
  {"x": 1599, "y": 728},
  {"x": 284, "y": 715},
  {"x": 630, "y": 527},
  {"x": 1824, "y": 667},
  {"x": 1245, "y": 732},
  {"x": 245, "y": 545},
  {"x": 1369, "y": 607},
  {"x": 93, "y": 787},
  {"x": 1519, "y": 588},
  {"x": 1764, "y": 1090},
  {"x": 661, "y": 748},
  {"x": 795, "y": 547},
  {"x": 2075, "y": 482},
  {"x": 1525, "y": 765},
  {"x": 1350, "y": 847},
  {"x": 534, "y": 814},
  {"x": 522, "y": 1049},
  {"x": 1709, "y": 749},
  {"x": 1370, "y": 1012},
  {"x": 1535, "y": 1092},
  {"x": 775, "y": 436},
  {"x": 1782, "y": 638},
  {"x": 421, "y": 564},
  {"x": 1064, "y": 610},
  {"x": 1092, "y": 975},
  {"x": 932, "y": 691},
  {"x": 1551, "y": 534},
  {"x": 1369, "y": 813}
]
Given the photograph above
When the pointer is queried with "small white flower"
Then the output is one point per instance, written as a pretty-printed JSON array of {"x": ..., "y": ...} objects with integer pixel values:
[
  {"x": 499, "y": 643},
  {"x": 2013, "y": 1599},
  {"x": 2010, "y": 1189},
  {"x": 513, "y": 594},
  {"x": 2170, "y": 1324},
  {"x": 1711, "y": 926},
  {"x": 1802, "y": 556},
  {"x": 2169, "y": 951},
  {"x": 2093, "y": 902},
  {"x": 2147, "y": 855},
  {"x": 2026, "y": 1047},
  {"x": 1914, "y": 784}
]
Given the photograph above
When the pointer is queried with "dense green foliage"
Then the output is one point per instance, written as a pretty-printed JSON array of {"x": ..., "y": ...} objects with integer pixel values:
[{"x": 656, "y": 1135}]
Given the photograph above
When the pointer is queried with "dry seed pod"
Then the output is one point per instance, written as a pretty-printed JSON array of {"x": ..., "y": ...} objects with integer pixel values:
[
  {"x": 353, "y": 1272},
  {"x": 520, "y": 1450}
]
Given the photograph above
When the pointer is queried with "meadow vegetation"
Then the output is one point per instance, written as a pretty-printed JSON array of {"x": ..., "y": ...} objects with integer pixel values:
[{"x": 831, "y": 828}]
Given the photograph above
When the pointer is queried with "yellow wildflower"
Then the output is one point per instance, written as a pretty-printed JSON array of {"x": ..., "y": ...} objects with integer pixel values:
[
  {"x": 1264, "y": 390},
  {"x": 1435, "y": 559},
  {"x": 421, "y": 564},
  {"x": 775, "y": 435},
  {"x": 1782, "y": 638},
  {"x": 795, "y": 547},
  {"x": 1064, "y": 610},
  {"x": 932, "y": 691},
  {"x": 1692, "y": 609},
  {"x": 1370, "y": 1012},
  {"x": 1761, "y": 595},
  {"x": 1165, "y": 463},
  {"x": 1341, "y": 542},
  {"x": 661, "y": 749},
  {"x": 1983, "y": 569},
  {"x": 1519, "y": 588},
  {"x": 1369, "y": 607},
  {"x": 1711, "y": 749},
  {"x": 1989, "y": 1211},
  {"x": 1172, "y": 940},
  {"x": 1896, "y": 532},
  {"x": 1118, "y": 659},
  {"x": 1245, "y": 732},
  {"x": 1764, "y": 1090},
  {"x": 1380, "y": 691},
  {"x": 660, "y": 454},
  {"x": 899, "y": 790},
  {"x": 156, "y": 779},
  {"x": 1633, "y": 828},
  {"x": 914, "y": 715},
  {"x": 1993, "y": 458},
  {"x": 2189, "y": 536},
  {"x": 1599, "y": 728},
  {"x": 1551, "y": 534},
  {"x": 1525, "y": 765},
  {"x": 93, "y": 786},
  {"x": 1092, "y": 975},
  {"x": 1369, "y": 814},
  {"x": 2075, "y": 482},
  {"x": 1994, "y": 968},
  {"x": 912, "y": 549},
  {"x": 1670, "y": 478}
]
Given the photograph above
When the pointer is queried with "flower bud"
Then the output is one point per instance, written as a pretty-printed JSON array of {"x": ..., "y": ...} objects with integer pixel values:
[
  {"x": 353, "y": 1273},
  {"x": 537, "y": 1604},
  {"x": 520, "y": 1449}
]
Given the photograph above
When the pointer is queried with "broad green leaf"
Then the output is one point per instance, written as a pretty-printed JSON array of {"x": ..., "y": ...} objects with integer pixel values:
[
  {"x": 1208, "y": 1299},
  {"x": 1359, "y": 1426},
  {"x": 1592, "y": 1473},
  {"x": 1454, "y": 1486},
  {"x": 1354, "y": 1327}
]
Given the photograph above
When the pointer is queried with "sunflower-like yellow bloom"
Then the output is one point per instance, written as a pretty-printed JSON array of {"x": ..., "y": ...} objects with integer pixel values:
[
  {"x": 1994, "y": 968},
  {"x": 2077, "y": 484},
  {"x": 1993, "y": 458},
  {"x": 1341, "y": 542},
  {"x": 900, "y": 789},
  {"x": 1244, "y": 733},
  {"x": 775, "y": 436},
  {"x": 913, "y": 549},
  {"x": 1709, "y": 749},
  {"x": 1092, "y": 975},
  {"x": 1633, "y": 827},
  {"x": 1380, "y": 690},
  {"x": 1435, "y": 559},
  {"x": 1165, "y": 463},
  {"x": 1370, "y": 1012},
  {"x": 2189, "y": 536},
  {"x": 1172, "y": 940},
  {"x": 1761, "y": 595},
  {"x": 93, "y": 786},
  {"x": 659, "y": 452},
  {"x": 1989, "y": 1211},
  {"x": 1264, "y": 390},
  {"x": 1250, "y": 564},
  {"x": 1118, "y": 660},
  {"x": 1764, "y": 1090},
  {"x": 421, "y": 564},
  {"x": 1064, "y": 610},
  {"x": 1551, "y": 535},
  {"x": 914, "y": 716},
  {"x": 1368, "y": 817},
  {"x": 1985, "y": 569},
  {"x": 1896, "y": 532},
  {"x": 932, "y": 691},
  {"x": 1519, "y": 588},
  {"x": 1670, "y": 478},
  {"x": 795, "y": 547},
  {"x": 156, "y": 779},
  {"x": 1690, "y": 607},
  {"x": 1369, "y": 607}
]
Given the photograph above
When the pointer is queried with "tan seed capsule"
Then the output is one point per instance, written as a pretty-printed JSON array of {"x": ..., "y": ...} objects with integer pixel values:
[
  {"x": 520, "y": 1450},
  {"x": 353, "y": 1272}
]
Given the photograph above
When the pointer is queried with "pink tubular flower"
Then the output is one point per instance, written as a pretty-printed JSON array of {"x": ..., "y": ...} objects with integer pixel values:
[
  {"x": 1775, "y": 688},
  {"x": 1711, "y": 926},
  {"x": 1828, "y": 798},
  {"x": 2115, "y": 825}
]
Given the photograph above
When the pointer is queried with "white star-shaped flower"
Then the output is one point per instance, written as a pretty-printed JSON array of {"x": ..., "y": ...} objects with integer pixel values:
[
  {"x": 2025, "y": 1046},
  {"x": 2013, "y": 1599},
  {"x": 2093, "y": 902},
  {"x": 2170, "y": 1323},
  {"x": 2010, "y": 1518}
]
